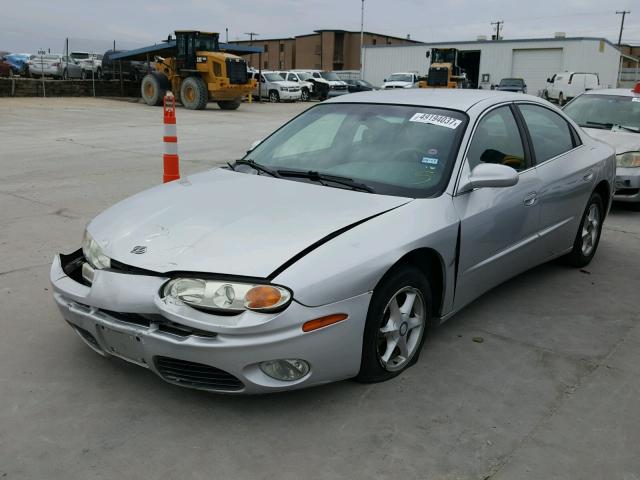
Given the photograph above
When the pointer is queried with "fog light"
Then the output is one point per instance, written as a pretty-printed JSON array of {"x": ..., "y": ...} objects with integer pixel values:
[{"x": 286, "y": 370}]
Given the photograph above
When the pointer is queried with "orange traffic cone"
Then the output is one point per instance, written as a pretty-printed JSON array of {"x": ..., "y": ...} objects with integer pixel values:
[{"x": 170, "y": 157}]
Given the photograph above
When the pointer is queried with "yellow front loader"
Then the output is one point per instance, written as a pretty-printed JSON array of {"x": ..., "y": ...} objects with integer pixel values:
[{"x": 198, "y": 72}]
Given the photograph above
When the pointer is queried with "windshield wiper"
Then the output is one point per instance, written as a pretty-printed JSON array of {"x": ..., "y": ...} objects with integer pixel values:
[
  {"x": 628, "y": 129},
  {"x": 322, "y": 177},
  {"x": 589, "y": 123},
  {"x": 257, "y": 166}
]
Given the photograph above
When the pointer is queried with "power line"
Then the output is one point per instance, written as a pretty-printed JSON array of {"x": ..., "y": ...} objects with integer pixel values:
[
  {"x": 497, "y": 24},
  {"x": 623, "y": 13}
]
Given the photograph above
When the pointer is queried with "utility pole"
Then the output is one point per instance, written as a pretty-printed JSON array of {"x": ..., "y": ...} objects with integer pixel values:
[
  {"x": 226, "y": 31},
  {"x": 623, "y": 13},
  {"x": 498, "y": 24},
  {"x": 251, "y": 35},
  {"x": 362, "y": 41}
]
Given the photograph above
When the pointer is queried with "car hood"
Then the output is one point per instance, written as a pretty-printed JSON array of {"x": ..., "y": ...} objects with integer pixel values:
[
  {"x": 397, "y": 84},
  {"x": 286, "y": 83},
  {"x": 227, "y": 222},
  {"x": 622, "y": 141}
]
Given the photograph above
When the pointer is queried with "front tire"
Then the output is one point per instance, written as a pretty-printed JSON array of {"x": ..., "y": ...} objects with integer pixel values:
[
  {"x": 153, "y": 89},
  {"x": 588, "y": 236},
  {"x": 304, "y": 95},
  {"x": 398, "y": 316},
  {"x": 274, "y": 96},
  {"x": 560, "y": 99},
  {"x": 194, "y": 94},
  {"x": 229, "y": 104}
]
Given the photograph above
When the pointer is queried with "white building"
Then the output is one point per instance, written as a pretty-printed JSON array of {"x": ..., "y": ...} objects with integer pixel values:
[{"x": 532, "y": 59}]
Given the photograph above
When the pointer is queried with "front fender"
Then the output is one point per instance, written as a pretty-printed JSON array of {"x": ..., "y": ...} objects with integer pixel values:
[{"x": 354, "y": 262}]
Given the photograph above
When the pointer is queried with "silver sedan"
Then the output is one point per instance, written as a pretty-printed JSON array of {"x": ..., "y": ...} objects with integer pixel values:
[{"x": 336, "y": 243}]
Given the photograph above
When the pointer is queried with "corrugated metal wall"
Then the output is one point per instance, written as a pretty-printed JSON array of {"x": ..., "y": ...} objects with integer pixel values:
[{"x": 584, "y": 55}]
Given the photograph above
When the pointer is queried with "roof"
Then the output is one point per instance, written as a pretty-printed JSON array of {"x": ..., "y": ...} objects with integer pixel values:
[
  {"x": 166, "y": 49},
  {"x": 513, "y": 40},
  {"x": 619, "y": 92},
  {"x": 317, "y": 32},
  {"x": 450, "y": 98}
]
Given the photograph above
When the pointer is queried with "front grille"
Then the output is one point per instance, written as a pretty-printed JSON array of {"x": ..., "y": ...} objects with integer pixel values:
[
  {"x": 196, "y": 375},
  {"x": 438, "y": 77},
  {"x": 237, "y": 71},
  {"x": 340, "y": 87},
  {"x": 163, "y": 324}
]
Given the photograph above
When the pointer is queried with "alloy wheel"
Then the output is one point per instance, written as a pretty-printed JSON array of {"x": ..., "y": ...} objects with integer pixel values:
[
  {"x": 590, "y": 229},
  {"x": 402, "y": 328}
]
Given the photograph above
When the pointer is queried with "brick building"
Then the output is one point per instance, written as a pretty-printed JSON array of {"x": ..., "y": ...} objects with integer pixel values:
[{"x": 322, "y": 49}]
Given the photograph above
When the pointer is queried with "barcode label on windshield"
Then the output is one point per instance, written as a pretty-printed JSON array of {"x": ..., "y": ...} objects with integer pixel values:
[{"x": 440, "y": 120}]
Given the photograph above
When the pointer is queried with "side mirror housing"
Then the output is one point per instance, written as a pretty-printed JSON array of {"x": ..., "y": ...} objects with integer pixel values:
[
  {"x": 384, "y": 80},
  {"x": 489, "y": 175}
]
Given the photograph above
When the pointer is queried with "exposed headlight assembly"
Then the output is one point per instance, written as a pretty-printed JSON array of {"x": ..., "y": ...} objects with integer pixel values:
[
  {"x": 93, "y": 253},
  {"x": 628, "y": 160},
  {"x": 227, "y": 297}
]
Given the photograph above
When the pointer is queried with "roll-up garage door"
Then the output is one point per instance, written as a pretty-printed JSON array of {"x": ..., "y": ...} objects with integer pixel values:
[{"x": 535, "y": 65}]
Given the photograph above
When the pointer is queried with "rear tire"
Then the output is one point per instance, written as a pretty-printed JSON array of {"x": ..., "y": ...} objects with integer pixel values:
[
  {"x": 194, "y": 94},
  {"x": 65, "y": 75},
  {"x": 588, "y": 236},
  {"x": 396, "y": 324},
  {"x": 153, "y": 88},
  {"x": 229, "y": 104}
]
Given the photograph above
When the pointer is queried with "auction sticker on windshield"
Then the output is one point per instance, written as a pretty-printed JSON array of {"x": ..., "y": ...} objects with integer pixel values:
[{"x": 439, "y": 120}]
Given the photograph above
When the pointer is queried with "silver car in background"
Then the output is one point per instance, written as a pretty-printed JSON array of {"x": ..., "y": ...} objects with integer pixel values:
[
  {"x": 612, "y": 115},
  {"x": 45, "y": 65},
  {"x": 336, "y": 243},
  {"x": 70, "y": 68}
]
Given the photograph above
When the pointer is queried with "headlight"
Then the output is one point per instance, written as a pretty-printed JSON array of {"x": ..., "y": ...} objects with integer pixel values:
[
  {"x": 628, "y": 160},
  {"x": 229, "y": 297},
  {"x": 93, "y": 253},
  {"x": 408, "y": 86}
]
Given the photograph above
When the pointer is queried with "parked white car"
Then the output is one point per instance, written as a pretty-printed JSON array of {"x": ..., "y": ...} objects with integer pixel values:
[
  {"x": 300, "y": 78},
  {"x": 47, "y": 65},
  {"x": 567, "y": 85},
  {"x": 326, "y": 84},
  {"x": 272, "y": 86},
  {"x": 401, "y": 80},
  {"x": 90, "y": 63},
  {"x": 612, "y": 115}
]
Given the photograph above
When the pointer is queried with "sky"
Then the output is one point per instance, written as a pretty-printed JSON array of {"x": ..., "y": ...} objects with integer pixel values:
[{"x": 28, "y": 25}]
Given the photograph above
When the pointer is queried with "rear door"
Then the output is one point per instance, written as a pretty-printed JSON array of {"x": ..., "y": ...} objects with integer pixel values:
[
  {"x": 566, "y": 173},
  {"x": 498, "y": 226}
]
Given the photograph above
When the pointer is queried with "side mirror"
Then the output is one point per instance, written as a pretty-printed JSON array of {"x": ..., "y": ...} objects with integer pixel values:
[
  {"x": 254, "y": 145},
  {"x": 489, "y": 175},
  {"x": 384, "y": 80}
]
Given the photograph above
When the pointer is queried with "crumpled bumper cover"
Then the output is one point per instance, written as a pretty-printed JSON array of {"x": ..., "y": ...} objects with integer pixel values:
[
  {"x": 122, "y": 315},
  {"x": 627, "y": 184}
]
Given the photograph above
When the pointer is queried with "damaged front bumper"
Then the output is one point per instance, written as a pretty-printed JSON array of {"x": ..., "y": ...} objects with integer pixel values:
[
  {"x": 121, "y": 314},
  {"x": 627, "y": 184}
]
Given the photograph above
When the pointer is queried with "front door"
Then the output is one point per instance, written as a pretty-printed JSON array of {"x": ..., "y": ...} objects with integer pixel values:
[{"x": 498, "y": 226}]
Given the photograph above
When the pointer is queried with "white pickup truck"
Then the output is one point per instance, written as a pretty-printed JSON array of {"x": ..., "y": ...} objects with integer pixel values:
[{"x": 90, "y": 62}]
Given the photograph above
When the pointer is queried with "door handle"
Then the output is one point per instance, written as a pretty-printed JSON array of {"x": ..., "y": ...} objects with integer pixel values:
[
  {"x": 587, "y": 177},
  {"x": 530, "y": 199}
]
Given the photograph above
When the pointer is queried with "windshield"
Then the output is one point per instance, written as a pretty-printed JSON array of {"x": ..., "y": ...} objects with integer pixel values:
[
  {"x": 396, "y": 150},
  {"x": 605, "y": 111},
  {"x": 79, "y": 56},
  {"x": 273, "y": 77},
  {"x": 304, "y": 76},
  {"x": 332, "y": 77},
  {"x": 511, "y": 82},
  {"x": 400, "y": 77}
]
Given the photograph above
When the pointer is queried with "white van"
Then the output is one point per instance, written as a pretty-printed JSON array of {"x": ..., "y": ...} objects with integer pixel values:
[{"x": 566, "y": 85}]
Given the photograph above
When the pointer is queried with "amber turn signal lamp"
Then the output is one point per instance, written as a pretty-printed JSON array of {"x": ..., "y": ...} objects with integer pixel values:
[
  {"x": 262, "y": 296},
  {"x": 323, "y": 322}
]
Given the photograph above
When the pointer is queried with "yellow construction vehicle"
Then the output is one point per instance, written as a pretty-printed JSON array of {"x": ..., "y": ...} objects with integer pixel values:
[
  {"x": 444, "y": 71},
  {"x": 195, "y": 69}
]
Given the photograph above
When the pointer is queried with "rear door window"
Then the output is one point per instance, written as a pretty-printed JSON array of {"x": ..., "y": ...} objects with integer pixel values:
[{"x": 550, "y": 133}]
